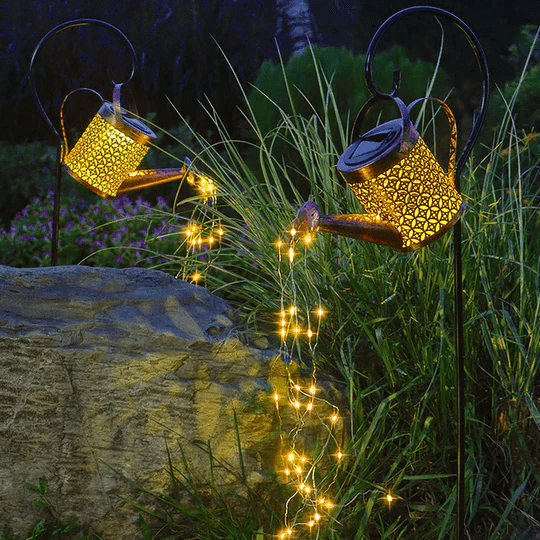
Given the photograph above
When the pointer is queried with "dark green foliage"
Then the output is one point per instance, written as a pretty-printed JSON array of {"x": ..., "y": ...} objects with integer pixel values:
[
  {"x": 27, "y": 170},
  {"x": 527, "y": 107},
  {"x": 522, "y": 94},
  {"x": 346, "y": 71},
  {"x": 525, "y": 48}
]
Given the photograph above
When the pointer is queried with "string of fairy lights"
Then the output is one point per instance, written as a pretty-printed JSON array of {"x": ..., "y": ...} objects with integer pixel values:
[
  {"x": 203, "y": 232},
  {"x": 309, "y": 506},
  {"x": 299, "y": 326}
]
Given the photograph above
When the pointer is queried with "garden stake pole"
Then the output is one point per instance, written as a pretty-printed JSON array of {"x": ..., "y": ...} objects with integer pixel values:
[
  {"x": 61, "y": 149},
  {"x": 460, "y": 382},
  {"x": 458, "y": 263},
  {"x": 56, "y": 205},
  {"x": 409, "y": 200}
]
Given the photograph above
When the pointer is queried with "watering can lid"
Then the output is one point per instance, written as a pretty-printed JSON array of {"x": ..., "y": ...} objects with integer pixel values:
[
  {"x": 372, "y": 146},
  {"x": 130, "y": 126}
]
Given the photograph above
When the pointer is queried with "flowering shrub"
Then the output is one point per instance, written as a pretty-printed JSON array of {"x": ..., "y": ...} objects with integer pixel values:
[{"x": 119, "y": 232}]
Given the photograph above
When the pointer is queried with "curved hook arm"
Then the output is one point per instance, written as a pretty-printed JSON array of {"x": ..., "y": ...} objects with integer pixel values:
[
  {"x": 480, "y": 57},
  {"x": 56, "y": 30}
]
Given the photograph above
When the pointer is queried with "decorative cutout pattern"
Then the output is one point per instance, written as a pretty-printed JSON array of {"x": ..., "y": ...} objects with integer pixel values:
[
  {"x": 103, "y": 157},
  {"x": 415, "y": 195}
]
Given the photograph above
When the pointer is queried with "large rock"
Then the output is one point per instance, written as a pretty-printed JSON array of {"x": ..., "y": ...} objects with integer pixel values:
[{"x": 102, "y": 370}]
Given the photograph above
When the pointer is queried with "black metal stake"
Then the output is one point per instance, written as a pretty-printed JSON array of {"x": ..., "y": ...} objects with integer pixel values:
[
  {"x": 56, "y": 207},
  {"x": 61, "y": 148},
  {"x": 460, "y": 382},
  {"x": 458, "y": 263}
]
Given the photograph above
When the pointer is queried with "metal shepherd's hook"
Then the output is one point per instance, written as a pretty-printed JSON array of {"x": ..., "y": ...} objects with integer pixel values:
[
  {"x": 408, "y": 199},
  {"x": 458, "y": 273},
  {"x": 60, "y": 143}
]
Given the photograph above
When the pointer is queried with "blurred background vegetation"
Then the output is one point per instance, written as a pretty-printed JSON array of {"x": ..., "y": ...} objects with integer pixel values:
[
  {"x": 177, "y": 47},
  {"x": 188, "y": 51}
]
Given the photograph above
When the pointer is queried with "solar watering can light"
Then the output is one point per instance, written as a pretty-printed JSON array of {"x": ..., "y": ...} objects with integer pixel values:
[
  {"x": 106, "y": 156},
  {"x": 408, "y": 198}
]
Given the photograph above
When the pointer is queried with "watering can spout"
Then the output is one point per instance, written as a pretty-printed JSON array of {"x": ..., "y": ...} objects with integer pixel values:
[
  {"x": 106, "y": 156},
  {"x": 140, "y": 179},
  {"x": 366, "y": 227}
]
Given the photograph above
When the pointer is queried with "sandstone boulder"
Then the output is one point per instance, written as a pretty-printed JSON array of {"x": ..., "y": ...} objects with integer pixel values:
[{"x": 99, "y": 370}]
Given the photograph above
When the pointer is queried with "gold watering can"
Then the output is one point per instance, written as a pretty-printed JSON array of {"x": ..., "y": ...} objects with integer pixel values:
[
  {"x": 106, "y": 156},
  {"x": 408, "y": 199}
]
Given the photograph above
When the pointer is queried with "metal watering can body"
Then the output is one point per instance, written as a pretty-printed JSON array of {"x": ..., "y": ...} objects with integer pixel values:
[
  {"x": 106, "y": 156},
  {"x": 408, "y": 199}
]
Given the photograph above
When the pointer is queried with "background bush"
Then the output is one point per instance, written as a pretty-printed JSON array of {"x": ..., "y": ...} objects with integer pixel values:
[
  {"x": 118, "y": 233},
  {"x": 345, "y": 70},
  {"x": 27, "y": 170},
  {"x": 524, "y": 88}
]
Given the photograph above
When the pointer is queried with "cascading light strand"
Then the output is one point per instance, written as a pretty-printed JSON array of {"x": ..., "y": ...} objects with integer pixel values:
[{"x": 299, "y": 326}]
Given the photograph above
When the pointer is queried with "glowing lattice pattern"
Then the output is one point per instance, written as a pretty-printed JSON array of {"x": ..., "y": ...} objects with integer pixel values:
[
  {"x": 103, "y": 157},
  {"x": 415, "y": 195}
]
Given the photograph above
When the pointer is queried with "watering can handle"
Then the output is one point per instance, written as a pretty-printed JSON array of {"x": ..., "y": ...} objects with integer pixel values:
[
  {"x": 57, "y": 29},
  {"x": 406, "y": 140},
  {"x": 117, "y": 104},
  {"x": 453, "y": 135},
  {"x": 64, "y": 146}
]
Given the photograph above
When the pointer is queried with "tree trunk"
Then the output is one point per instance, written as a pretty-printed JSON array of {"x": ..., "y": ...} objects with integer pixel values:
[{"x": 295, "y": 19}]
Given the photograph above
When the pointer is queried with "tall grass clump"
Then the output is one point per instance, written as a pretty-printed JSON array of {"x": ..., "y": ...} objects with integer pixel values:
[{"x": 389, "y": 336}]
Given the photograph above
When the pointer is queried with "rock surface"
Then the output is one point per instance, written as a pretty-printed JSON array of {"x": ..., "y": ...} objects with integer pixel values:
[{"x": 102, "y": 370}]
